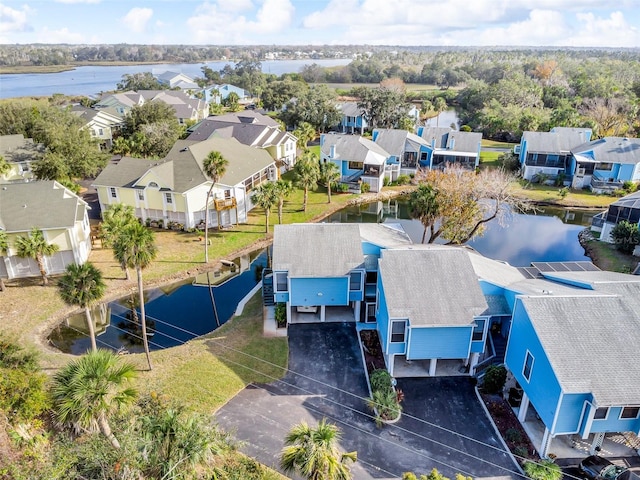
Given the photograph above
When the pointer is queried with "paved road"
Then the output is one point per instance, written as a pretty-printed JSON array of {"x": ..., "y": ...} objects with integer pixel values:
[{"x": 329, "y": 381}]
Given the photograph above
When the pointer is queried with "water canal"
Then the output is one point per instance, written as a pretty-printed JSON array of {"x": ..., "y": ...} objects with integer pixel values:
[{"x": 181, "y": 311}]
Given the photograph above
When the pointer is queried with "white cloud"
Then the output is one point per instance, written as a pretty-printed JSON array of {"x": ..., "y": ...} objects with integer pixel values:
[
  {"x": 12, "y": 20},
  {"x": 216, "y": 22},
  {"x": 604, "y": 32},
  {"x": 542, "y": 27},
  {"x": 62, "y": 35},
  {"x": 137, "y": 19}
]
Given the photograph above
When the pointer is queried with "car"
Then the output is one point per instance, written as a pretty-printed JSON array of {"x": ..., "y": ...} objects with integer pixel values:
[{"x": 599, "y": 468}]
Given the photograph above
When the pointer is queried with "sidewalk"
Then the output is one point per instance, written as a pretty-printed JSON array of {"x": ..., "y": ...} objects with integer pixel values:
[{"x": 270, "y": 327}]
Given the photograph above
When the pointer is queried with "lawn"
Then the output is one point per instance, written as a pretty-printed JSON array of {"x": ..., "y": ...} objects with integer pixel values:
[
  {"x": 551, "y": 195},
  {"x": 607, "y": 257},
  {"x": 489, "y": 159},
  {"x": 495, "y": 144}
]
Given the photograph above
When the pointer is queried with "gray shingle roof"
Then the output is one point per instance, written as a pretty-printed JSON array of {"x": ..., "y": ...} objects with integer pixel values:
[
  {"x": 395, "y": 141},
  {"x": 250, "y": 128},
  {"x": 431, "y": 286},
  {"x": 592, "y": 344},
  {"x": 436, "y": 136},
  {"x": 317, "y": 249},
  {"x": 181, "y": 170},
  {"x": 561, "y": 140},
  {"x": 16, "y": 148},
  {"x": 45, "y": 205},
  {"x": 354, "y": 148},
  {"x": 384, "y": 235},
  {"x": 350, "y": 109},
  {"x": 593, "y": 278},
  {"x": 612, "y": 150}
]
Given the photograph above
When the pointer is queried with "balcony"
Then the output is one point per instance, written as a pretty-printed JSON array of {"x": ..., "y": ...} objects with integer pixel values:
[
  {"x": 225, "y": 203},
  {"x": 604, "y": 185}
]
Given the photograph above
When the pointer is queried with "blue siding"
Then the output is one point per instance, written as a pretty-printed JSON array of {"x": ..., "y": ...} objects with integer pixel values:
[
  {"x": 626, "y": 172},
  {"x": 570, "y": 413},
  {"x": 382, "y": 317},
  {"x": 575, "y": 283},
  {"x": 613, "y": 423},
  {"x": 439, "y": 342},
  {"x": 478, "y": 346},
  {"x": 282, "y": 297},
  {"x": 543, "y": 388},
  {"x": 304, "y": 291},
  {"x": 355, "y": 295},
  {"x": 369, "y": 248}
]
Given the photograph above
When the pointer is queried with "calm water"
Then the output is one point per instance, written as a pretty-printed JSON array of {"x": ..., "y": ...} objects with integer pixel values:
[
  {"x": 447, "y": 118},
  {"x": 181, "y": 311},
  {"x": 550, "y": 236},
  {"x": 175, "y": 313},
  {"x": 92, "y": 80}
]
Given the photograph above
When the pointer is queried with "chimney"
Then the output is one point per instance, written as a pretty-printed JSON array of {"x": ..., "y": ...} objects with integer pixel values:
[{"x": 332, "y": 151}]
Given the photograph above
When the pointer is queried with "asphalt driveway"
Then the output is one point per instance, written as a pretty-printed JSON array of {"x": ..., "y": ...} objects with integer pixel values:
[{"x": 326, "y": 379}]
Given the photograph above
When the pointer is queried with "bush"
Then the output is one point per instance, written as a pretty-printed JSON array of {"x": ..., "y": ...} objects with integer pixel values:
[
  {"x": 365, "y": 187},
  {"x": 386, "y": 181},
  {"x": 494, "y": 379},
  {"x": 384, "y": 399},
  {"x": 403, "y": 180},
  {"x": 281, "y": 314},
  {"x": 542, "y": 470},
  {"x": 629, "y": 186},
  {"x": 563, "y": 192},
  {"x": 380, "y": 380},
  {"x": 559, "y": 181},
  {"x": 625, "y": 236},
  {"x": 509, "y": 161},
  {"x": 341, "y": 188}
]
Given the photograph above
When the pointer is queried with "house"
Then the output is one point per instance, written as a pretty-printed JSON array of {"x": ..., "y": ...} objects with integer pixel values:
[
  {"x": 176, "y": 80},
  {"x": 446, "y": 320},
  {"x": 549, "y": 153},
  {"x": 219, "y": 93},
  {"x": 186, "y": 109},
  {"x": 328, "y": 271},
  {"x": 604, "y": 165},
  {"x": 352, "y": 120},
  {"x": 359, "y": 160},
  {"x": 59, "y": 213},
  {"x": 20, "y": 153},
  {"x": 101, "y": 124},
  {"x": 174, "y": 189},
  {"x": 626, "y": 208},
  {"x": 451, "y": 147},
  {"x": 253, "y": 129},
  {"x": 407, "y": 151}
]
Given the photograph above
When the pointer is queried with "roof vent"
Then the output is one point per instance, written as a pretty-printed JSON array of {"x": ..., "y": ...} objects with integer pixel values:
[{"x": 185, "y": 149}]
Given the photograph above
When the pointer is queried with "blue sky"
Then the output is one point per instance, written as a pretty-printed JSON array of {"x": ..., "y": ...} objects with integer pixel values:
[{"x": 580, "y": 23}]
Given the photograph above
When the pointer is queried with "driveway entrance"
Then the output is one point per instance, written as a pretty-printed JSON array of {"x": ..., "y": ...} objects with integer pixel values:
[{"x": 326, "y": 379}]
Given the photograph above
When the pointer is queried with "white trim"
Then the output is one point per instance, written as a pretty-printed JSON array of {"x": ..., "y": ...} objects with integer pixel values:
[
  {"x": 628, "y": 418},
  {"x": 404, "y": 336},
  {"x": 606, "y": 417}
]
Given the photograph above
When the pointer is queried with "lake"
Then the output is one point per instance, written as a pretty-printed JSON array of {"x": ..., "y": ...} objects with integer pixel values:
[
  {"x": 92, "y": 80},
  {"x": 183, "y": 310}
]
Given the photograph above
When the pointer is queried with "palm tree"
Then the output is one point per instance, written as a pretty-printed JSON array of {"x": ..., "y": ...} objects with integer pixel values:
[
  {"x": 307, "y": 173},
  {"x": 214, "y": 167},
  {"x": 313, "y": 454},
  {"x": 265, "y": 196},
  {"x": 83, "y": 286},
  {"x": 114, "y": 219},
  {"x": 36, "y": 246},
  {"x": 439, "y": 105},
  {"x": 136, "y": 246},
  {"x": 4, "y": 250},
  {"x": 285, "y": 189},
  {"x": 423, "y": 206},
  {"x": 305, "y": 132},
  {"x": 329, "y": 173},
  {"x": 87, "y": 391}
]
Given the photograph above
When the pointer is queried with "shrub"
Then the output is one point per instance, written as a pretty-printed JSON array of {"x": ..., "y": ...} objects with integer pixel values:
[
  {"x": 509, "y": 161},
  {"x": 384, "y": 399},
  {"x": 563, "y": 192},
  {"x": 559, "y": 181},
  {"x": 365, "y": 187},
  {"x": 341, "y": 188},
  {"x": 386, "y": 181},
  {"x": 380, "y": 380},
  {"x": 625, "y": 236},
  {"x": 513, "y": 435},
  {"x": 629, "y": 186},
  {"x": 494, "y": 379},
  {"x": 281, "y": 314},
  {"x": 542, "y": 470},
  {"x": 403, "y": 180}
]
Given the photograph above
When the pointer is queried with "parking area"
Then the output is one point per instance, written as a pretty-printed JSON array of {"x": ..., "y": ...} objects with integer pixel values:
[{"x": 443, "y": 425}]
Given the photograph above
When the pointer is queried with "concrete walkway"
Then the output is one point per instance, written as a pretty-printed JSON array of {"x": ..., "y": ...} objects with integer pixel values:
[{"x": 326, "y": 379}]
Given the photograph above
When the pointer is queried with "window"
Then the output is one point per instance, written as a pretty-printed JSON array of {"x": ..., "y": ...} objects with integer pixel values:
[
  {"x": 528, "y": 366},
  {"x": 227, "y": 194},
  {"x": 355, "y": 281},
  {"x": 141, "y": 195},
  {"x": 478, "y": 330},
  {"x": 601, "y": 413},
  {"x": 114, "y": 193},
  {"x": 397, "y": 331},
  {"x": 629, "y": 413},
  {"x": 423, "y": 157},
  {"x": 356, "y": 165},
  {"x": 153, "y": 185},
  {"x": 168, "y": 198},
  {"x": 281, "y": 282},
  {"x": 605, "y": 166}
]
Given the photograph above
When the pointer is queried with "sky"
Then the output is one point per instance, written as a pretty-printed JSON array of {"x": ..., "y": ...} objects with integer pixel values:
[{"x": 576, "y": 23}]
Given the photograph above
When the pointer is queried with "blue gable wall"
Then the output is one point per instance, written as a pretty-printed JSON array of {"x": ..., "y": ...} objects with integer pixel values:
[
  {"x": 629, "y": 172},
  {"x": 439, "y": 342},
  {"x": 613, "y": 423},
  {"x": 543, "y": 388},
  {"x": 304, "y": 291},
  {"x": 571, "y": 413}
]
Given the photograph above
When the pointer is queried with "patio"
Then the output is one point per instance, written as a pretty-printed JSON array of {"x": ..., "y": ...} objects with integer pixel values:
[
  {"x": 403, "y": 368},
  {"x": 332, "y": 315}
]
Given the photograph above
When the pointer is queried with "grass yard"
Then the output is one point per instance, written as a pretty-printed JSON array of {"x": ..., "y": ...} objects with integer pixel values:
[
  {"x": 607, "y": 257},
  {"x": 495, "y": 144},
  {"x": 489, "y": 159},
  {"x": 550, "y": 194}
]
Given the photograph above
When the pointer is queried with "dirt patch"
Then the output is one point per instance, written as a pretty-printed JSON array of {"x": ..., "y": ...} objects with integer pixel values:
[
  {"x": 372, "y": 351},
  {"x": 510, "y": 428}
]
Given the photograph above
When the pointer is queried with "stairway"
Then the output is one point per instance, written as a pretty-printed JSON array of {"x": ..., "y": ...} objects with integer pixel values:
[
  {"x": 500, "y": 347},
  {"x": 267, "y": 287}
]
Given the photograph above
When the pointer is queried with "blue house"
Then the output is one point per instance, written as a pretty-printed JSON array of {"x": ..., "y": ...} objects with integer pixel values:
[
  {"x": 451, "y": 147},
  {"x": 576, "y": 359},
  {"x": 352, "y": 120},
  {"x": 626, "y": 208},
  {"x": 328, "y": 271},
  {"x": 359, "y": 159},
  {"x": 430, "y": 309},
  {"x": 407, "y": 151},
  {"x": 604, "y": 165},
  {"x": 549, "y": 153},
  {"x": 218, "y": 93}
]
